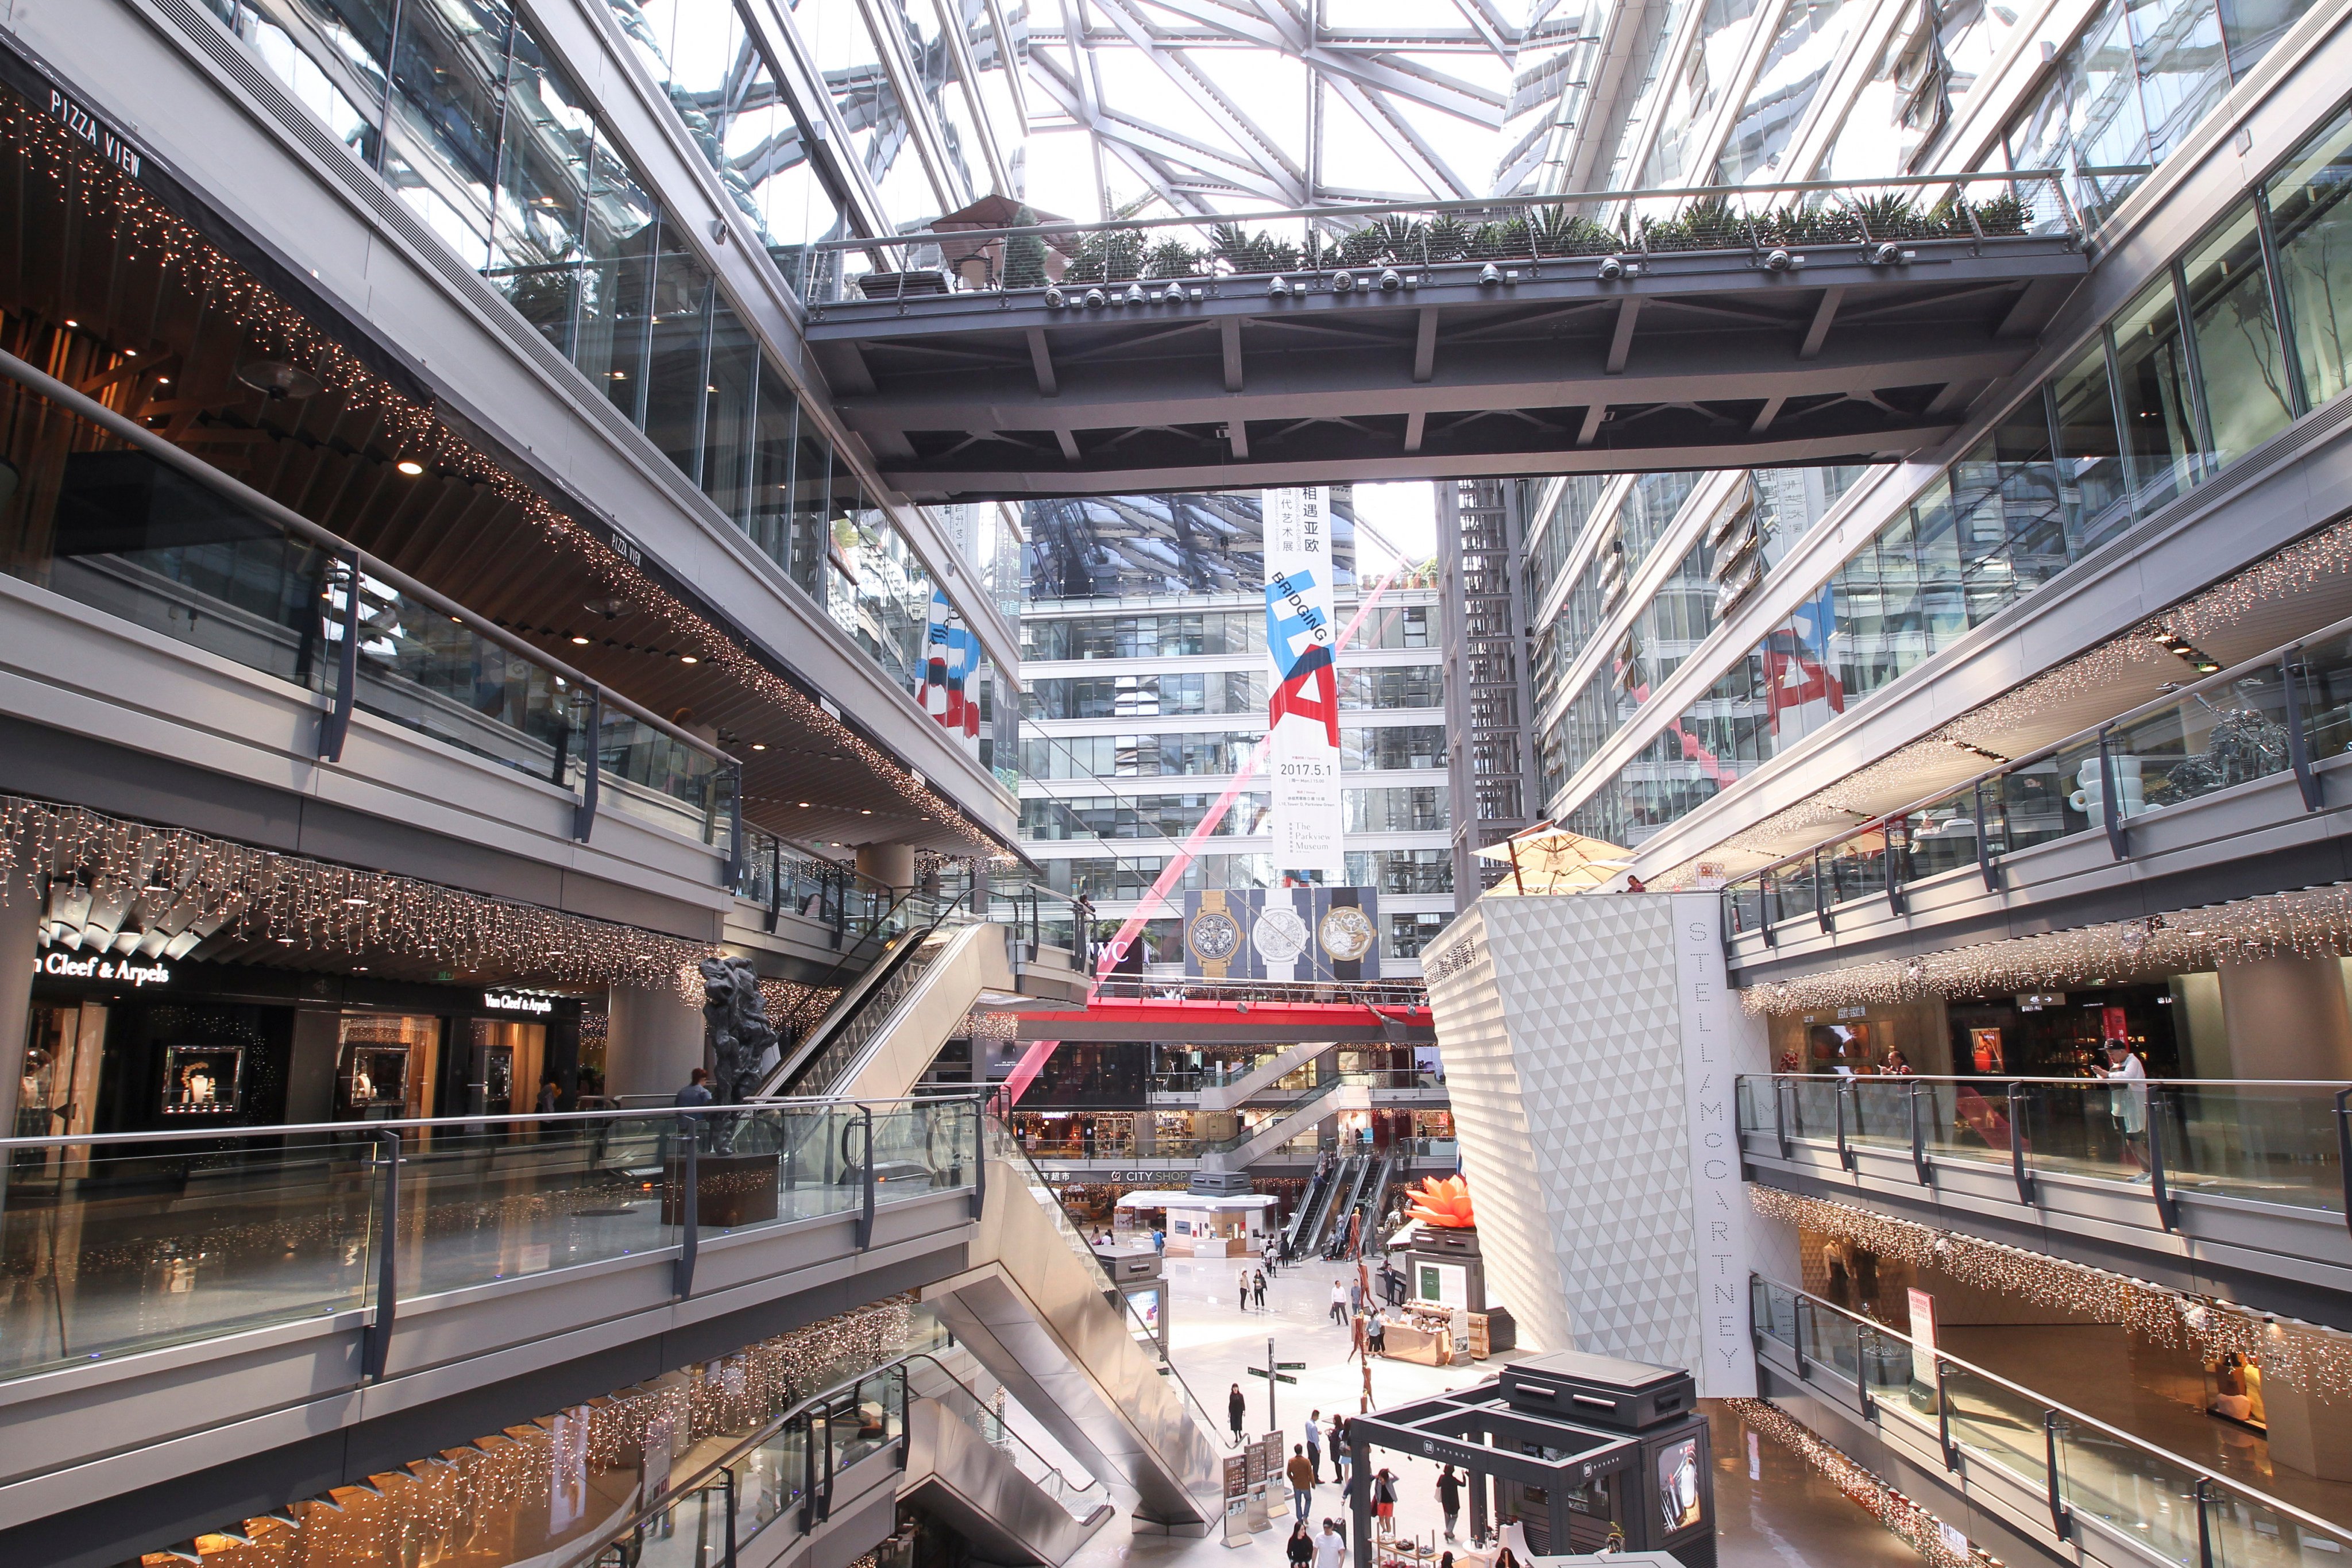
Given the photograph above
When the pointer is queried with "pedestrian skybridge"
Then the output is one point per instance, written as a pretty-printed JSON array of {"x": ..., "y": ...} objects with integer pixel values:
[{"x": 1775, "y": 324}]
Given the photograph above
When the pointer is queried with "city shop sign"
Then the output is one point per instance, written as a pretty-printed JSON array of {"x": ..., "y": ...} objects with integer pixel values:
[
  {"x": 510, "y": 1002},
  {"x": 98, "y": 966}
]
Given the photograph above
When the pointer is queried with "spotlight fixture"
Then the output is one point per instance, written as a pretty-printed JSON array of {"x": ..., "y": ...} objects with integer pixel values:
[
  {"x": 1278, "y": 287},
  {"x": 759, "y": 745},
  {"x": 1489, "y": 275},
  {"x": 1097, "y": 299},
  {"x": 410, "y": 466},
  {"x": 276, "y": 379},
  {"x": 1391, "y": 281},
  {"x": 1343, "y": 282},
  {"x": 580, "y": 642},
  {"x": 1053, "y": 300},
  {"x": 2188, "y": 653},
  {"x": 687, "y": 658},
  {"x": 1610, "y": 269},
  {"x": 1887, "y": 253},
  {"x": 1777, "y": 260},
  {"x": 1136, "y": 296},
  {"x": 1172, "y": 295}
]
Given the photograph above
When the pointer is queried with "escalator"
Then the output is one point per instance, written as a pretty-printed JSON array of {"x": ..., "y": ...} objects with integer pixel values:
[
  {"x": 1335, "y": 1239},
  {"x": 970, "y": 1471},
  {"x": 1341, "y": 1091},
  {"x": 1313, "y": 1203},
  {"x": 1378, "y": 1174}
]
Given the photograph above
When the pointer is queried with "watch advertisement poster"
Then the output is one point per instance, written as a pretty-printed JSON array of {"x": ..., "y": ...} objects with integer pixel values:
[
  {"x": 1303, "y": 714},
  {"x": 1282, "y": 934}
]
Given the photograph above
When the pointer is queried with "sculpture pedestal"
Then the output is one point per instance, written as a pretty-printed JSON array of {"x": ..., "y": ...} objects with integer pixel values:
[{"x": 730, "y": 1189}]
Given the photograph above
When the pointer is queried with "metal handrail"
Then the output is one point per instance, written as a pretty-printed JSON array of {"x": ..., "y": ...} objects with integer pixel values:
[
  {"x": 1076, "y": 1489},
  {"x": 460, "y": 1123},
  {"x": 961, "y": 236},
  {"x": 2281, "y": 657},
  {"x": 2214, "y": 1477},
  {"x": 2004, "y": 1079},
  {"x": 203, "y": 473}
]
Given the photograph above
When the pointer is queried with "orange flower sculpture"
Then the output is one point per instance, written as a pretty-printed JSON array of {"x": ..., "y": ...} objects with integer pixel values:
[{"x": 1445, "y": 1204}]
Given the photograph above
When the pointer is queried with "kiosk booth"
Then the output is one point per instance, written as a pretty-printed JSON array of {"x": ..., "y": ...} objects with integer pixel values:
[
  {"x": 1206, "y": 1225},
  {"x": 1575, "y": 1450}
]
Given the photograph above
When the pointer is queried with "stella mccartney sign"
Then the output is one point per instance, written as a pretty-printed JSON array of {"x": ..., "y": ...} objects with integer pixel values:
[{"x": 100, "y": 967}]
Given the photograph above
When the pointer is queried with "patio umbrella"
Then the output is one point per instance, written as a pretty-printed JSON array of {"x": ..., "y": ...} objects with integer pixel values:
[{"x": 1554, "y": 859}]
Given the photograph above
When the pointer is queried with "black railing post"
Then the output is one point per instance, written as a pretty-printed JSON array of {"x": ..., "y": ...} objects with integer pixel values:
[
  {"x": 840, "y": 880},
  {"x": 2167, "y": 1210},
  {"x": 2111, "y": 798},
  {"x": 1781, "y": 1117},
  {"x": 1865, "y": 1338},
  {"x": 1821, "y": 904},
  {"x": 1944, "y": 1421},
  {"x": 2344, "y": 1149},
  {"x": 377, "y": 1352},
  {"x": 735, "y": 859},
  {"x": 775, "y": 882},
  {"x": 978, "y": 1156},
  {"x": 1984, "y": 841},
  {"x": 1798, "y": 1319},
  {"x": 728, "y": 1562},
  {"x": 865, "y": 1212},
  {"x": 1844, "y": 1149},
  {"x": 1919, "y": 1138},
  {"x": 592, "y": 753},
  {"x": 2298, "y": 744},
  {"x": 2204, "y": 1492},
  {"x": 335, "y": 724},
  {"x": 690, "y": 1206},
  {"x": 2016, "y": 1167},
  {"x": 2062, "y": 1523},
  {"x": 1893, "y": 877}
]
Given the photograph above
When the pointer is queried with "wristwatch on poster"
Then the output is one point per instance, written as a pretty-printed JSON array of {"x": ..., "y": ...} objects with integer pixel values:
[{"x": 1214, "y": 936}]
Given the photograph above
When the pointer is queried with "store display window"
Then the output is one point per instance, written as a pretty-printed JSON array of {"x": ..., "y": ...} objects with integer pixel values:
[
  {"x": 202, "y": 1079},
  {"x": 384, "y": 1065},
  {"x": 2233, "y": 1389}
]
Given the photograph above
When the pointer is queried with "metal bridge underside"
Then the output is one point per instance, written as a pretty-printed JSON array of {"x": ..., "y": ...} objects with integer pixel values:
[{"x": 1702, "y": 361}]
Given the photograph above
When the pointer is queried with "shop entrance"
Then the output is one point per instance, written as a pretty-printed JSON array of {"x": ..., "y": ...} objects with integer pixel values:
[{"x": 502, "y": 1066}]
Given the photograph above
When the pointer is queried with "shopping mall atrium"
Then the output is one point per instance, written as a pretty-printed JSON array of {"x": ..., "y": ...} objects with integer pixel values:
[{"x": 979, "y": 783}]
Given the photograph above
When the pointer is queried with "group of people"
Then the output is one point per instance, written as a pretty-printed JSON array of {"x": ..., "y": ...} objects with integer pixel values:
[
  {"x": 1251, "y": 1283},
  {"x": 1306, "y": 1550}
]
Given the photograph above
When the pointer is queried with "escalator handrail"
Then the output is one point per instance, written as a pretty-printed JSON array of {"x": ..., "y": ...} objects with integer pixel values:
[
  {"x": 855, "y": 995},
  {"x": 1070, "y": 1490},
  {"x": 1281, "y": 1113}
]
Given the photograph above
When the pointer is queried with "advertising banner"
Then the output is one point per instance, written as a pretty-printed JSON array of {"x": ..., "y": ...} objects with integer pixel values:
[
  {"x": 1282, "y": 934},
  {"x": 1303, "y": 714}
]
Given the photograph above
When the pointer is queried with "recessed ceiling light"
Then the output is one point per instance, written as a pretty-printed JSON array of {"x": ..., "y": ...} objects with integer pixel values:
[
  {"x": 864, "y": 811},
  {"x": 130, "y": 353},
  {"x": 759, "y": 745},
  {"x": 687, "y": 658},
  {"x": 410, "y": 466},
  {"x": 581, "y": 642},
  {"x": 356, "y": 902},
  {"x": 163, "y": 381},
  {"x": 805, "y": 805},
  {"x": 71, "y": 322}
]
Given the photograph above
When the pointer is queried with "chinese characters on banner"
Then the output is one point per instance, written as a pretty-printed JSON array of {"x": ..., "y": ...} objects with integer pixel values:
[{"x": 1304, "y": 714}]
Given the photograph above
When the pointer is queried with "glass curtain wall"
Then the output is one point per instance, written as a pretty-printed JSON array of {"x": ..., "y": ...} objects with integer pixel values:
[
  {"x": 2234, "y": 340},
  {"x": 498, "y": 150}
]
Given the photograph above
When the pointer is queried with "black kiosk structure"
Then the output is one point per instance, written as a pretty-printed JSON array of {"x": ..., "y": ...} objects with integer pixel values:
[{"x": 1577, "y": 1449}]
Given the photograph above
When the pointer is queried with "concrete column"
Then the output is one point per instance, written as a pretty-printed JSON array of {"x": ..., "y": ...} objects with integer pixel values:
[
  {"x": 893, "y": 864},
  {"x": 20, "y": 929},
  {"x": 2287, "y": 1017},
  {"x": 654, "y": 1041},
  {"x": 311, "y": 1069}
]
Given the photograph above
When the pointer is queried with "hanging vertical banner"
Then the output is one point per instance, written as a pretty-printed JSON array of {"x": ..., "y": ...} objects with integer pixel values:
[
  {"x": 949, "y": 690},
  {"x": 1303, "y": 716}
]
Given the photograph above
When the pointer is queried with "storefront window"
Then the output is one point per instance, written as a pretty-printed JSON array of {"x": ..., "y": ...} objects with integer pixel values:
[
  {"x": 386, "y": 1067},
  {"x": 2314, "y": 255},
  {"x": 2241, "y": 371}
]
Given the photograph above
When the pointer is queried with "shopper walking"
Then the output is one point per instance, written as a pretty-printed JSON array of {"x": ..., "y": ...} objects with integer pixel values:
[
  {"x": 1449, "y": 1499},
  {"x": 2129, "y": 1105},
  {"x": 1237, "y": 1410},
  {"x": 1314, "y": 1430},
  {"x": 1300, "y": 1548},
  {"x": 1301, "y": 1471},
  {"x": 1339, "y": 1302},
  {"x": 1331, "y": 1547}
]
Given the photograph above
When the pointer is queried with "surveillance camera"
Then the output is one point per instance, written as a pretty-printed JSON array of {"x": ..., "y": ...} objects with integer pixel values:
[
  {"x": 1490, "y": 275},
  {"x": 1277, "y": 288},
  {"x": 1389, "y": 280},
  {"x": 1778, "y": 260},
  {"x": 1342, "y": 282},
  {"x": 1053, "y": 300},
  {"x": 1887, "y": 253},
  {"x": 1097, "y": 299},
  {"x": 1610, "y": 269}
]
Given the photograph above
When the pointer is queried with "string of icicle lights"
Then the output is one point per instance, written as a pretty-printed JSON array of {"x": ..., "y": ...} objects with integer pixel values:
[
  {"x": 1921, "y": 1530},
  {"x": 145, "y": 228},
  {"x": 2304, "y": 923},
  {"x": 550, "y": 1480},
  {"x": 187, "y": 889},
  {"x": 2303, "y": 1355}
]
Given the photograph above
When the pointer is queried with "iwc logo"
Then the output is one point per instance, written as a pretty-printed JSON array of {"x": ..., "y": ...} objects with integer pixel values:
[
  {"x": 1280, "y": 936},
  {"x": 1346, "y": 933},
  {"x": 1214, "y": 936}
]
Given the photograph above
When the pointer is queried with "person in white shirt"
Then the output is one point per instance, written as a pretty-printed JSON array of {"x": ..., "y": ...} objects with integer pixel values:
[
  {"x": 1330, "y": 1549},
  {"x": 1339, "y": 1302},
  {"x": 2129, "y": 1105}
]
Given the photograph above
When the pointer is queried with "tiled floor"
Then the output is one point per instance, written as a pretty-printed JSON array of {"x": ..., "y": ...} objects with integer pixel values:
[{"x": 1782, "y": 1516}]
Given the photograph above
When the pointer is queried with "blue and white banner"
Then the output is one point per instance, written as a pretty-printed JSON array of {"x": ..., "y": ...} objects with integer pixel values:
[
  {"x": 950, "y": 665},
  {"x": 1302, "y": 715}
]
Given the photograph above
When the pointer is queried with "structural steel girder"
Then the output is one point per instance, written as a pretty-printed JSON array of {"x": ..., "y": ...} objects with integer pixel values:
[{"x": 1706, "y": 360}]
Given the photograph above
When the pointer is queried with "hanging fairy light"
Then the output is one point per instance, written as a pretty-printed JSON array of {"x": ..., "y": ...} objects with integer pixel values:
[
  {"x": 2303, "y": 1355},
  {"x": 1915, "y": 1525}
]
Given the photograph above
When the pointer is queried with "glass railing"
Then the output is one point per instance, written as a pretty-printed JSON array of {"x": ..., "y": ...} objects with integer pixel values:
[
  {"x": 2260, "y": 1139},
  {"x": 2234, "y": 727},
  {"x": 1269, "y": 1119},
  {"x": 150, "y": 1239},
  {"x": 115, "y": 518},
  {"x": 1079, "y": 1498},
  {"x": 1150, "y": 256},
  {"x": 2086, "y": 1469},
  {"x": 838, "y": 1042}
]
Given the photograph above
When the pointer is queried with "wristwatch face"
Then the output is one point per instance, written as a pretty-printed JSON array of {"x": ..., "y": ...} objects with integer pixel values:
[
  {"x": 1346, "y": 933},
  {"x": 1216, "y": 936},
  {"x": 1281, "y": 935}
]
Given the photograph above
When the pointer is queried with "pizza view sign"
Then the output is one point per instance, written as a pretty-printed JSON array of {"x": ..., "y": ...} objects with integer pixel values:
[
  {"x": 1282, "y": 934},
  {"x": 82, "y": 124}
]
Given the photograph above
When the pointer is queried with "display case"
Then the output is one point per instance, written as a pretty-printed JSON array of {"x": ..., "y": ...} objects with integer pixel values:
[{"x": 202, "y": 1079}]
